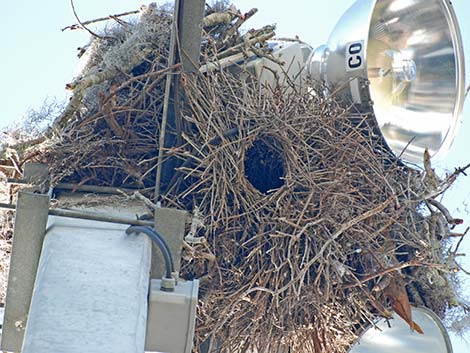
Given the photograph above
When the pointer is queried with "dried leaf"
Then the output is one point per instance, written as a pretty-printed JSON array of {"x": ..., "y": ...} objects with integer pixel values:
[{"x": 396, "y": 292}]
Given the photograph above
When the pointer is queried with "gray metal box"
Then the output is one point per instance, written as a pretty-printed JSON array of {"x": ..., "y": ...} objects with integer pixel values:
[{"x": 171, "y": 317}]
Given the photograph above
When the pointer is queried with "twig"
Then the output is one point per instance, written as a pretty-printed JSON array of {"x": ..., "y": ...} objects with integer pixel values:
[
  {"x": 453, "y": 254},
  {"x": 82, "y": 24},
  {"x": 217, "y": 18},
  {"x": 446, "y": 184},
  {"x": 451, "y": 220},
  {"x": 406, "y": 147},
  {"x": 394, "y": 268},
  {"x": 460, "y": 241},
  {"x": 233, "y": 30},
  {"x": 263, "y": 36},
  {"x": 338, "y": 233},
  {"x": 147, "y": 201},
  {"x": 166, "y": 102},
  {"x": 455, "y": 235}
]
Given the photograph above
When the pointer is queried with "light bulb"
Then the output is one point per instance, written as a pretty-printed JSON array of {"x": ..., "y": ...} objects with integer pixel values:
[{"x": 395, "y": 74}]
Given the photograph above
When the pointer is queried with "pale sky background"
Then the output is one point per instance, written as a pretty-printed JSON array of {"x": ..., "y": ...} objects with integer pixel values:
[{"x": 37, "y": 59}]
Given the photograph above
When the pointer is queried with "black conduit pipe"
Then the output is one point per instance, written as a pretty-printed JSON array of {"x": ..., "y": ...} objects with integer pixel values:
[{"x": 160, "y": 242}]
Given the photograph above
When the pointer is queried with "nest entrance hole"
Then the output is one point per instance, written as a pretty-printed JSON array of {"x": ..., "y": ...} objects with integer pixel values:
[{"x": 264, "y": 164}]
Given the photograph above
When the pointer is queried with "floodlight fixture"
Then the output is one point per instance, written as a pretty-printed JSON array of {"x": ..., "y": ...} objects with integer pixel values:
[
  {"x": 403, "y": 62},
  {"x": 394, "y": 335}
]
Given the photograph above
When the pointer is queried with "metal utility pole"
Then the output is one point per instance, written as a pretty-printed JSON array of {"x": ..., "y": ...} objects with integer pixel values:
[{"x": 185, "y": 47}]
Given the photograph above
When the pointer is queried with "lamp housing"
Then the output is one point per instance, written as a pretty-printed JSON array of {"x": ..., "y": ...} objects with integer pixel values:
[
  {"x": 394, "y": 335},
  {"x": 401, "y": 61}
]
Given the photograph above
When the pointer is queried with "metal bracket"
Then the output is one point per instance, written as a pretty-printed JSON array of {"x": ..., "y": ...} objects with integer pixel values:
[
  {"x": 37, "y": 174},
  {"x": 170, "y": 223},
  {"x": 30, "y": 227}
]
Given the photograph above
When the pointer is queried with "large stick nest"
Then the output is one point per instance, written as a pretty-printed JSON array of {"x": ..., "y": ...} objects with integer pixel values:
[
  {"x": 296, "y": 265},
  {"x": 305, "y": 213}
]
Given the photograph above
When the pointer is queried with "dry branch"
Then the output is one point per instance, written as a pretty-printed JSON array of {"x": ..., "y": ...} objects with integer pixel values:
[{"x": 101, "y": 19}]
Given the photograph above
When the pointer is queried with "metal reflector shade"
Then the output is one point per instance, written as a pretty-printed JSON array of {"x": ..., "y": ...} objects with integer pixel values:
[
  {"x": 402, "y": 60},
  {"x": 395, "y": 336}
]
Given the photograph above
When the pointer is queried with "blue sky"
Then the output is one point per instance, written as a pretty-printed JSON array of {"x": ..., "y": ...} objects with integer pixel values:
[{"x": 37, "y": 59}]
